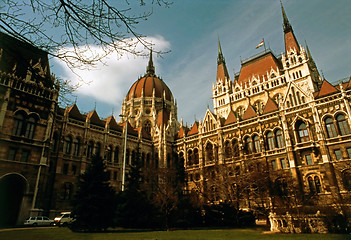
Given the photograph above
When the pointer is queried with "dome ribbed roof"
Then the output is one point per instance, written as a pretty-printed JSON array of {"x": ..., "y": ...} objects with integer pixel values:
[{"x": 145, "y": 86}]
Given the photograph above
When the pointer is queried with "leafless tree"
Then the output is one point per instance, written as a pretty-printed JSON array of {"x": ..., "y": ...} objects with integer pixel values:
[{"x": 68, "y": 29}]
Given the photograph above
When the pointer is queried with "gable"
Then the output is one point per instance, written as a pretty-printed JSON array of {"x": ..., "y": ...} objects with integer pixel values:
[
  {"x": 230, "y": 119},
  {"x": 249, "y": 113}
]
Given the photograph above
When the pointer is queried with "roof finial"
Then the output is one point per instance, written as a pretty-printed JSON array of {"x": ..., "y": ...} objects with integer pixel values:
[
  {"x": 150, "y": 70},
  {"x": 220, "y": 58},
  {"x": 286, "y": 25}
]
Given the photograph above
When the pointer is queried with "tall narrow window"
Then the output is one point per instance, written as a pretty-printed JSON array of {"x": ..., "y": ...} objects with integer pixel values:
[
  {"x": 196, "y": 156},
  {"x": 97, "y": 149},
  {"x": 311, "y": 185},
  {"x": 109, "y": 154},
  {"x": 190, "y": 157},
  {"x": 279, "y": 138},
  {"x": 257, "y": 145},
  {"x": 235, "y": 148},
  {"x": 308, "y": 158},
  {"x": 303, "y": 132},
  {"x": 248, "y": 145},
  {"x": 11, "y": 155},
  {"x": 116, "y": 155},
  {"x": 68, "y": 144},
  {"x": 228, "y": 149},
  {"x": 90, "y": 149},
  {"x": 338, "y": 154},
  {"x": 342, "y": 124},
  {"x": 18, "y": 124},
  {"x": 30, "y": 127},
  {"x": 76, "y": 144},
  {"x": 147, "y": 126},
  {"x": 209, "y": 152},
  {"x": 274, "y": 164},
  {"x": 318, "y": 185},
  {"x": 283, "y": 163},
  {"x": 329, "y": 125},
  {"x": 25, "y": 155},
  {"x": 270, "y": 141}
]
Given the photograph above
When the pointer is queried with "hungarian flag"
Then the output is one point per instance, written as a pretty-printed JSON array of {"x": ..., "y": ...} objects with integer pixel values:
[{"x": 260, "y": 44}]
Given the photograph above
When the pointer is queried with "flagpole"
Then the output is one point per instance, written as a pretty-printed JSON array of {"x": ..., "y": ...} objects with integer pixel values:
[{"x": 264, "y": 44}]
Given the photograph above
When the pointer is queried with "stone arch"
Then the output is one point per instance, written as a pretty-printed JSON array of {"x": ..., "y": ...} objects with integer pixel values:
[{"x": 13, "y": 207}]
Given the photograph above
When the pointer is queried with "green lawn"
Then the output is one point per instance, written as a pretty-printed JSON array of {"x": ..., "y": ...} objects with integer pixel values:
[{"x": 221, "y": 234}]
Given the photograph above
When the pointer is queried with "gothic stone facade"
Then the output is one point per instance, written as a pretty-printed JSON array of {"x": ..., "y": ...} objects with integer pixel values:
[{"x": 277, "y": 120}]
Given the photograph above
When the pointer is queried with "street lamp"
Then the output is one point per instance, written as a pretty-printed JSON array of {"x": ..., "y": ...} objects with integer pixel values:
[{"x": 125, "y": 149}]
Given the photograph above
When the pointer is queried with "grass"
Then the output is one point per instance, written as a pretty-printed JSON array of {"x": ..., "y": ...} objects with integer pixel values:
[{"x": 215, "y": 234}]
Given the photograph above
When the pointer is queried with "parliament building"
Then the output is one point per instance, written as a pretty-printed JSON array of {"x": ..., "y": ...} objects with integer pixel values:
[{"x": 278, "y": 136}]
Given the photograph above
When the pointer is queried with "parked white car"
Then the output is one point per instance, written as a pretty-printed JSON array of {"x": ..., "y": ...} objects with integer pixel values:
[
  {"x": 64, "y": 219},
  {"x": 39, "y": 221}
]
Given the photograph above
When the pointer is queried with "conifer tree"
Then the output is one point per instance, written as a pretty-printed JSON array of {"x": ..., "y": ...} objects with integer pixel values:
[{"x": 95, "y": 202}]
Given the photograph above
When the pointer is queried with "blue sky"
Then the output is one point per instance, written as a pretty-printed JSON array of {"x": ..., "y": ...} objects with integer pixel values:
[{"x": 190, "y": 30}]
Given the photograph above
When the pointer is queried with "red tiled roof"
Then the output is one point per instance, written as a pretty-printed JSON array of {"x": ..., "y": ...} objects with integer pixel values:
[
  {"x": 270, "y": 106},
  {"x": 182, "y": 132},
  {"x": 291, "y": 42},
  {"x": 349, "y": 83},
  {"x": 111, "y": 121},
  {"x": 258, "y": 67},
  {"x": 230, "y": 119},
  {"x": 222, "y": 72},
  {"x": 194, "y": 129},
  {"x": 73, "y": 112},
  {"x": 326, "y": 89},
  {"x": 145, "y": 86},
  {"x": 95, "y": 119},
  {"x": 249, "y": 113}
]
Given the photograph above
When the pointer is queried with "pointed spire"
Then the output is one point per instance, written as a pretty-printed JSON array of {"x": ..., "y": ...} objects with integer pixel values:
[
  {"x": 150, "y": 70},
  {"x": 222, "y": 72},
  {"x": 286, "y": 23},
  {"x": 220, "y": 58}
]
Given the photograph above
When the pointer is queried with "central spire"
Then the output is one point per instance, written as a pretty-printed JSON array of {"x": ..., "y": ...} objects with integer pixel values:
[
  {"x": 150, "y": 70},
  {"x": 220, "y": 58},
  {"x": 286, "y": 24}
]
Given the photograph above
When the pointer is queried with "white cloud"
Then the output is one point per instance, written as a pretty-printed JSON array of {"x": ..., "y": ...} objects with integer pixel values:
[{"x": 110, "y": 81}]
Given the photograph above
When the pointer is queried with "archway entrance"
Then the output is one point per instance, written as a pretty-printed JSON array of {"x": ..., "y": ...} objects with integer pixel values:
[{"x": 12, "y": 189}]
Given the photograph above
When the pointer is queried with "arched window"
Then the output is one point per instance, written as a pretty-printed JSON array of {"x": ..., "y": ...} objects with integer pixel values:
[
  {"x": 68, "y": 144},
  {"x": 270, "y": 140},
  {"x": 329, "y": 125},
  {"x": 248, "y": 145},
  {"x": 209, "y": 152},
  {"x": 190, "y": 157},
  {"x": 279, "y": 138},
  {"x": 90, "y": 149},
  {"x": 147, "y": 126},
  {"x": 18, "y": 124},
  {"x": 76, "y": 147},
  {"x": 256, "y": 142},
  {"x": 303, "y": 132},
  {"x": 97, "y": 151},
  {"x": 196, "y": 156},
  {"x": 228, "y": 149},
  {"x": 30, "y": 127},
  {"x": 235, "y": 145},
  {"x": 109, "y": 154},
  {"x": 342, "y": 125}
]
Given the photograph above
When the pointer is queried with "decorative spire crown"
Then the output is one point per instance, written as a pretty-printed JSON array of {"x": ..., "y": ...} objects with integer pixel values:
[
  {"x": 150, "y": 70},
  {"x": 220, "y": 58},
  {"x": 286, "y": 24}
]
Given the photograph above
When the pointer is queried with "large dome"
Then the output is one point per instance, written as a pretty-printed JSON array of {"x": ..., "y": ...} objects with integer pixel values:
[{"x": 145, "y": 86}]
